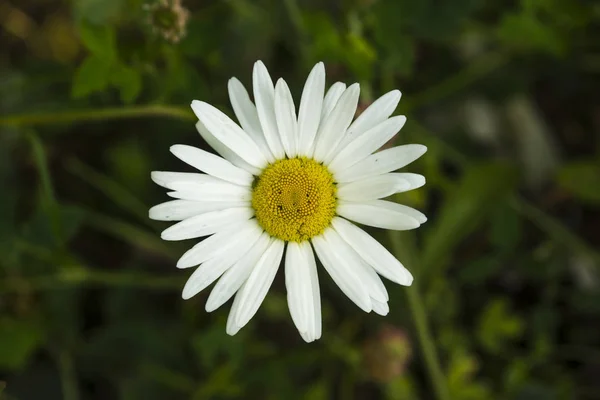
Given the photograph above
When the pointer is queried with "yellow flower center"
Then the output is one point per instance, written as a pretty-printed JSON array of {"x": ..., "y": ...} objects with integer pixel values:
[{"x": 294, "y": 199}]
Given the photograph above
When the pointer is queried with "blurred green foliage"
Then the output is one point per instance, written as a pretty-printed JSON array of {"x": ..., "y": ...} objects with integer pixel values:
[{"x": 506, "y": 297}]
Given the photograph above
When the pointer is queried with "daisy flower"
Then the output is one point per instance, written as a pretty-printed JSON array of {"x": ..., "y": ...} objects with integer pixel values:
[{"x": 286, "y": 186}]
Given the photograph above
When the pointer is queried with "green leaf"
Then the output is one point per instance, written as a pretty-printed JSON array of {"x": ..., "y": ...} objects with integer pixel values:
[
  {"x": 98, "y": 11},
  {"x": 497, "y": 325},
  {"x": 526, "y": 31},
  {"x": 505, "y": 230},
  {"x": 18, "y": 340},
  {"x": 582, "y": 180},
  {"x": 93, "y": 75},
  {"x": 128, "y": 81},
  {"x": 473, "y": 199},
  {"x": 100, "y": 40}
]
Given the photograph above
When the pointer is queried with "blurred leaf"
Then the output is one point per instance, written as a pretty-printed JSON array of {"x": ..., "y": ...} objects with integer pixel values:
[
  {"x": 360, "y": 56},
  {"x": 18, "y": 340},
  {"x": 582, "y": 180},
  {"x": 497, "y": 326},
  {"x": 128, "y": 81},
  {"x": 525, "y": 31},
  {"x": 478, "y": 270},
  {"x": 39, "y": 231},
  {"x": 97, "y": 11},
  {"x": 100, "y": 40},
  {"x": 461, "y": 384},
  {"x": 505, "y": 229},
  {"x": 93, "y": 75},
  {"x": 475, "y": 196},
  {"x": 317, "y": 391}
]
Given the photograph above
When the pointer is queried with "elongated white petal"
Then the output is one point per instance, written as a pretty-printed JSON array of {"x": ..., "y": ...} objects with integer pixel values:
[
  {"x": 212, "y": 164},
  {"x": 245, "y": 111},
  {"x": 331, "y": 98},
  {"x": 210, "y": 191},
  {"x": 224, "y": 151},
  {"x": 206, "y": 224},
  {"x": 352, "y": 262},
  {"x": 165, "y": 178},
  {"x": 255, "y": 289},
  {"x": 264, "y": 94},
  {"x": 229, "y": 133},
  {"x": 211, "y": 270},
  {"x": 335, "y": 124},
  {"x": 375, "y": 254},
  {"x": 399, "y": 208},
  {"x": 309, "y": 112},
  {"x": 345, "y": 278},
  {"x": 219, "y": 243},
  {"x": 285, "y": 114},
  {"x": 235, "y": 277},
  {"x": 382, "y": 162},
  {"x": 373, "y": 188},
  {"x": 314, "y": 323},
  {"x": 177, "y": 210},
  {"x": 372, "y": 215},
  {"x": 232, "y": 326},
  {"x": 375, "y": 114},
  {"x": 363, "y": 146},
  {"x": 381, "y": 308},
  {"x": 414, "y": 180},
  {"x": 301, "y": 281}
]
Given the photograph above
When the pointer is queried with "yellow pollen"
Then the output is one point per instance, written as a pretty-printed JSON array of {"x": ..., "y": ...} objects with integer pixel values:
[{"x": 294, "y": 199}]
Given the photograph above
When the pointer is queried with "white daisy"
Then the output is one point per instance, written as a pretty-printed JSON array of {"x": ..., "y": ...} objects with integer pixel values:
[{"x": 291, "y": 183}]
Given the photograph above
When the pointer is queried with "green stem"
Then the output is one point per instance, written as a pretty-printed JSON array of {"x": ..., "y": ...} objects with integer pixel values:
[
  {"x": 427, "y": 345},
  {"x": 68, "y": 376},
  {"x": 97, "y": 115},
  {"x": 403, "y": 243},
  {"x": 81, "y": 276},
  {"x": 465, "y": 77}
]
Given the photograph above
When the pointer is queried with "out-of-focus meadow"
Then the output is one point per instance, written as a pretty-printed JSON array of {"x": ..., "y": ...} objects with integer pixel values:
[{"x": 506, "y": 301}]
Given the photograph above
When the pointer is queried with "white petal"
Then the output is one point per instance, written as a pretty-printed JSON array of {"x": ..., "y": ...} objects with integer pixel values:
[
  {"x": 177, "y": 210},
  {"x": 255, "y": 289},
  {"x": 245, "y": 111},
  {"x": 165, "y": 178},
  {"x": 209, "y": 271},
  {"x": 374, "y": 215},
  {"x": 264, "y": 94},
  {"x": 352, "y": 262},
  {"x": 375, "y": 114},
  {"x": 414, "y": 180},
  {"x": 206, "y": 224},
  {"x": 219, "y": 243},
  {"x": 285, "y": 113},
  {"x": 373, "y": 188},
  {"x": 400, "y": 208},
  {"x": 381, "y": 308},
  {"x": 302, "y": 283},
  {"x": 210, "y": 191},
  {"x": 375, "y": 254},
  {"x": 331, "y": 98},
  {"x": 223, "y": 150},
  {"x": 310, "y": 108},
  {"x": 229, "y": 133},
  {"x": 379, "y": 163},
  {"x": 335, "y": 124},
  {"x": 366, "y": 144},
  {"x": 212, "y": 164},
  {"x": 232, "y": 327},
  {"x": 235, "y": 277},
  {"x": 345, "y": 278}
]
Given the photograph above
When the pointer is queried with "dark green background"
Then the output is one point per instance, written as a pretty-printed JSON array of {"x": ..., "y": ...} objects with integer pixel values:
[{"x": 506, "y": 301}]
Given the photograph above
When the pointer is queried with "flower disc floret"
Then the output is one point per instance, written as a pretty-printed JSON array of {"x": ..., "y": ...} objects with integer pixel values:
[{"x": 294, "y": 199}]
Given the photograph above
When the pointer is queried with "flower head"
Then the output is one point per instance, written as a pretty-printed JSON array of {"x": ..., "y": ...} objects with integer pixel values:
[
  {"x": 288, "y": 182},
  {"x": 167, "y": 18}
]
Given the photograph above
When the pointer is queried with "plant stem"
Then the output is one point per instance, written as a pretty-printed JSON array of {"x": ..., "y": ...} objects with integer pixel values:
[
  {"x": 97, "y": 115},
  {"x": 402, "y": 243},
  {"x": 68, "y": 376},
  {"x": 427, "y": 346}
]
